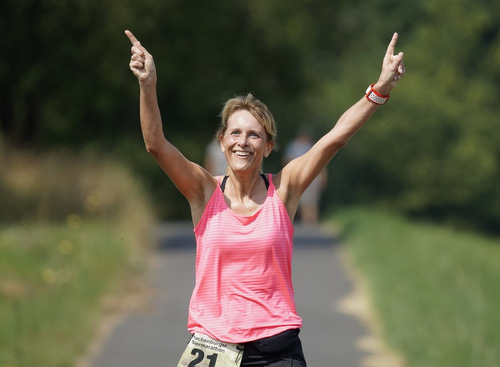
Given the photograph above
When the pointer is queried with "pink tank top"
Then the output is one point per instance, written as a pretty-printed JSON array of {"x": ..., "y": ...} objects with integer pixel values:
[{"x": 243, "y": 289}]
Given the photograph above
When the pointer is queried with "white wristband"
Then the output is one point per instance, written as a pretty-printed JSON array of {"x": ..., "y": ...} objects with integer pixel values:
[{"x": 373, "y": 96}]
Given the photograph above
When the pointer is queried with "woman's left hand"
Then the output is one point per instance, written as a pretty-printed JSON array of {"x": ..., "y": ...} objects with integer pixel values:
[{"x": 393, "y": 69}]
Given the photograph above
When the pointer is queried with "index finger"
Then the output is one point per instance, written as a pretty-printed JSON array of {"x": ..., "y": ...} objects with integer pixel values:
[
  {"x": 392, "y": 44},
  {"x": 132, "y": 38}
]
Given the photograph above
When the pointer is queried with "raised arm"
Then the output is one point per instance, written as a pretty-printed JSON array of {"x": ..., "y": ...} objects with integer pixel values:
[
  {"x": 299, "y": 173},
  {"x": 192, "y": 180}
]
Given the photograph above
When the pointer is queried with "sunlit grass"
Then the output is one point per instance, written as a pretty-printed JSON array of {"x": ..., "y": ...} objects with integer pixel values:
[
  {"x": 75, "y": 230},
  {"x": 51, "y": 279},
  {"x": 434, "y": 290}
]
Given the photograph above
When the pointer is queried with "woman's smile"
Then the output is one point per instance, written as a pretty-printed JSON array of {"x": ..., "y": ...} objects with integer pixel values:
[{"x": 242, "y": 154}]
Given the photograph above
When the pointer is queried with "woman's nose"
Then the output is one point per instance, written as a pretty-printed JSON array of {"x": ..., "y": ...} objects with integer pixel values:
[{"x": 243, "y": 140}]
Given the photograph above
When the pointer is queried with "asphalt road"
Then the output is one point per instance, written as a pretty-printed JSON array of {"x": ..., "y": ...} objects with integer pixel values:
[{"x": 156, "y": 336}]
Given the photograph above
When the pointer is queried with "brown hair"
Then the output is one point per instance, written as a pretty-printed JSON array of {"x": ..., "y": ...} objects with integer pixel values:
[{"x": 258, "y": 110}]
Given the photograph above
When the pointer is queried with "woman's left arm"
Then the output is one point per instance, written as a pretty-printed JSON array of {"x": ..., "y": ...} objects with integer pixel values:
[{"x": 299, "y": 173}]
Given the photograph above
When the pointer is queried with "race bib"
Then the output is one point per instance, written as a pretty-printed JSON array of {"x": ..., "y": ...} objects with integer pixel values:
[{"x": 203, "y": 351}]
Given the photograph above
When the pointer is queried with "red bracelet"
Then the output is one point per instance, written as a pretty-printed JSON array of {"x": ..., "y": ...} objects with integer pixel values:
[{"x": 375, "y": 97}]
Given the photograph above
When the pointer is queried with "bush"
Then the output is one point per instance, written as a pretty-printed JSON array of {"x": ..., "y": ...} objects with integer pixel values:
[{"x": 50, "y": 187}]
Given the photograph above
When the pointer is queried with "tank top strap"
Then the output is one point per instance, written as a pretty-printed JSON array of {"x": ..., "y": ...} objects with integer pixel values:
[
  {"x": 224, "y": 180},
  {"x": 223, "y": 183},
  {"x": 266, "y": 181}
]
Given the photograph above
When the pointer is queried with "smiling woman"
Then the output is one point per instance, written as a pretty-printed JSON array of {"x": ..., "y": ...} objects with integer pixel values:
[
  {"x": 256, "y": 108},
  {"x": 245, "y": 138},
  {"x": 247, "y": 135},
  {"x": 243, "y": 292}
]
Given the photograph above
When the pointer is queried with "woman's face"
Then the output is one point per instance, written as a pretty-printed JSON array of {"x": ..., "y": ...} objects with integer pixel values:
[{"x": 245, "y": 142}]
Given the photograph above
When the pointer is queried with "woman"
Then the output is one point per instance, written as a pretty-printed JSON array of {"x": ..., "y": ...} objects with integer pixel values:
[{"x": 243, "y": 296}]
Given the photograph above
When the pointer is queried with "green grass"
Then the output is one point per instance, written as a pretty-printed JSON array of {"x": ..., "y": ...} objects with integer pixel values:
[
  {"x": 435, "y": 291},
  {"x": 73, "y": 230},
  {"x": 51, "y": 281}
]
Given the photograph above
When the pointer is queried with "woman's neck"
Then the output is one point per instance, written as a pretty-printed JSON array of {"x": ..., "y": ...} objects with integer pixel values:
[{"x": 244, "y": 186}]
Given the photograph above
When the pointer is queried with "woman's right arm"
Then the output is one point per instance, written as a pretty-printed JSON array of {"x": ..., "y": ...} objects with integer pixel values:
[{"x": 194, "y": 182}]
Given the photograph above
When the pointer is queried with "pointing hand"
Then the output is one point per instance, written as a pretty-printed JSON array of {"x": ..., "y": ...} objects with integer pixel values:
[
  {"x": 141, "y": 61},
  {"x": 393, "y": 68}
]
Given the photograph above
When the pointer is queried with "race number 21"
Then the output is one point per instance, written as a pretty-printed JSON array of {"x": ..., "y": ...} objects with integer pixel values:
[
  {"x": 203, "y": 351},
  {"x": 200, "y": 355}
]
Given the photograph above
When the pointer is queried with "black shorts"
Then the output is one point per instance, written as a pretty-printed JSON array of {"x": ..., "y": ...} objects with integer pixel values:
[{"x": 281, "y": 350}]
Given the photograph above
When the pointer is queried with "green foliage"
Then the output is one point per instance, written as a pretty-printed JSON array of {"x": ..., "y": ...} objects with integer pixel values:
[
  {"x": 432, "y": 151},
  {"x": 50, "y": 187},
  {"x": 434, "y": 290}
]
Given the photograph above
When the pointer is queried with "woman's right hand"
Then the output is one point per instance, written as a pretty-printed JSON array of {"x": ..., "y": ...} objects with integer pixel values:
[{"x": 141, "y": 61}]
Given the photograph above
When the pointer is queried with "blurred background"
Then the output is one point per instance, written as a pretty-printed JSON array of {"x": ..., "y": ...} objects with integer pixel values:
[
  {"x": 72, "y": 155},
  {"x": 432, "y": 151}
]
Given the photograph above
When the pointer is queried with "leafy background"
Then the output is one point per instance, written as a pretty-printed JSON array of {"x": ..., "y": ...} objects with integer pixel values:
[{"x": 433, "y": 151}]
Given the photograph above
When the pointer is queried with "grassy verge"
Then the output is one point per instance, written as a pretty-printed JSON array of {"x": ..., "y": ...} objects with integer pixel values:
[
  {"x": 434, "y": 290},
  {"x": 76, "y": 229},
  {"x": 51, "y": 280}
]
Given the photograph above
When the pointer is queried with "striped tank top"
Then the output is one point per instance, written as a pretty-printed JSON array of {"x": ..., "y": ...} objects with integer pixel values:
[{"x": 243, "y": 290}]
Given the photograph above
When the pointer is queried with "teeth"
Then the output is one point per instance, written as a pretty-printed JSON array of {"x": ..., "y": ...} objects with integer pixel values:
[{"x": 243, "y": 154}]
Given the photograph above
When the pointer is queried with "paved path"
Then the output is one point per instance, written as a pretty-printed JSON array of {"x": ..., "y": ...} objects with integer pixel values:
[{"x": 157, "y": 337}]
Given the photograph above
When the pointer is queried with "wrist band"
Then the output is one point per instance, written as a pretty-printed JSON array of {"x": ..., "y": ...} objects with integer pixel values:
[{"x": 373, "y": 96}]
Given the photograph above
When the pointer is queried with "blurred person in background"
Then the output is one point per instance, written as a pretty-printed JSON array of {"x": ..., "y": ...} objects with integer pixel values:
[
  {"x": 243, "y": 296},
  {"x": 215, "y": 160},
  {"x": 309, "y": 202}
]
